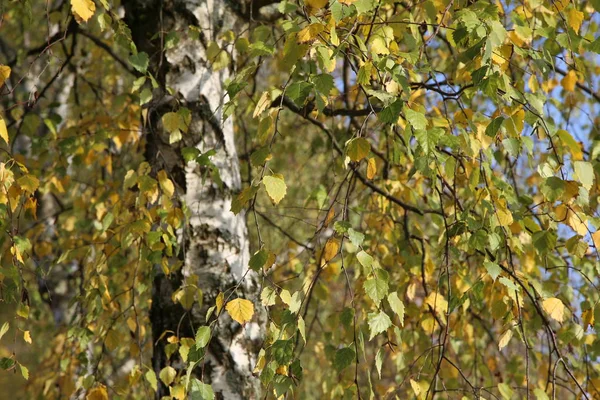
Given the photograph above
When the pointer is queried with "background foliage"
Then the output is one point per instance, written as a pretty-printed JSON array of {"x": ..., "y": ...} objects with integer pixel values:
[{"x": 420, "y": 188}]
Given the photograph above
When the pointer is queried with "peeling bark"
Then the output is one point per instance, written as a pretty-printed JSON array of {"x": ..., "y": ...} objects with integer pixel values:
[{"x": 215, "y": 241}]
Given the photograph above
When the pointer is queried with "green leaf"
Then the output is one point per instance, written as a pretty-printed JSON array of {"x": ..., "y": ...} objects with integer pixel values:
[
  {"x": 355, "y": 237},
  {"x": 283, "y": 351},
  {"x": 416, "y": 119},
  {"x": 390, "y": 114},
  {"x": 258, "y": 260},
  {"x": 275, "y": 187},
  {"x": 492, "y": 269},
  {"x": 553, "y": 188},
  {"x": 343, "y": 358},
  {"x": 429, "y": 139},
  {"x": 377, "y": 287},
  {"x": 6, "y": 363},
  {"x": 298, "y": 92},
  {"x": 261, "y": 155},
  {"x": 544, "y": 241},
  {"x": 323, "y": 83},
  {"x": 492, "y": 129},
  {"x": 358, "y": 148},
  {"x": 200, "y": 390},
  {"x": 139, "y": 61},
  {"x": 202, "y": 336},
  {"x": 364, "y": 6},
  {"x": 378, "y": 322}
]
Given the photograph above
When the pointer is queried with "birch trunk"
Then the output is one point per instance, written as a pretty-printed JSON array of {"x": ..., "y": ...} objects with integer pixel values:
[{"x": 215, "y": 241}]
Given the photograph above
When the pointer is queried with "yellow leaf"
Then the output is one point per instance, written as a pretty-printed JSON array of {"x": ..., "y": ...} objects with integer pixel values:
[
  {"x": 329, "y": 217},
  {"x": 165, "y": 184},
  {"x": 316, "y": 3},
  {"x": 560, "y": 4},
  {"x": 4, "y": 74},
  {"x": 569, "y": 217},
  {"x": 437, "y": 302},
  {"x": 331, "y": 249},
  {"x": 504, "y": 339},
  {"x": 575, "y": 18},
  {"x": 83, "y": 10},
  {"x": 569, "y": 81},
  {"x": 555, "y": 308},
  {"x": 415, "y": 387},
  {"x": 97, "y": 393},
  {"x": 371, "y": 168},
  {"x": 262, "y": 104},
  {"x": 219, "y": 302},
  {"x": 310, "y": 32},
  {"x": 241, "y": 310},
  {"x": 3, "y": 131},
  {"x": 27, "y": 337},
  {"x": 504, "y": 215},
  {"x": 596, "y": 239}
]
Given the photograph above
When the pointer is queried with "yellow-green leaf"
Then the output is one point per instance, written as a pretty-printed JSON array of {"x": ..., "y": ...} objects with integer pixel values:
[
  {"x": 358, "y": 148},
  {"x": 241, "y": 310},
  {"x": 167, "y": 375},
  {"x": 28, "y": 183},
  {"x": 275, "y": 186}
]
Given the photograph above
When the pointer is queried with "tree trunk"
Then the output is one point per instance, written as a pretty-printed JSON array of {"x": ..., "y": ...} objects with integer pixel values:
[{"x": 214, "y": 242}]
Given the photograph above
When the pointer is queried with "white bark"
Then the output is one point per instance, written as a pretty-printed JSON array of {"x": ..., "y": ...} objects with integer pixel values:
[{"x": 215, "y": 240}]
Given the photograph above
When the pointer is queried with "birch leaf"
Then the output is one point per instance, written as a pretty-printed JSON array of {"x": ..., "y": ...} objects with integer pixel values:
[
  {"x": 241, "y": 310},
  {"x": 3, "y": 131},
  {"x": 310, "y": 32},
  {"x": 97, "y": 393},
  {"x": 358, "y": 148},
  {"x": 371, "y": 168},
  {"x": 4, "y": 74},
  {"x": 555, "y": 308},
  {"x": 83, "y": 9},
  {"x": 275, "y": 186},
  {"x": 331, "y": 249},
  {"x": 504, "y": 339}
]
